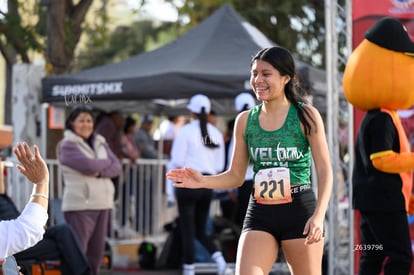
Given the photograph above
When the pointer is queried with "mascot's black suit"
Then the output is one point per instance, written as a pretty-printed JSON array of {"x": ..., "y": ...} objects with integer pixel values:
[{"x": 379, "y": 79}]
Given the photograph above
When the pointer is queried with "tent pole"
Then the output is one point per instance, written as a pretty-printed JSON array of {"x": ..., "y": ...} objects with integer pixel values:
[{"x": 43, "y": 126}]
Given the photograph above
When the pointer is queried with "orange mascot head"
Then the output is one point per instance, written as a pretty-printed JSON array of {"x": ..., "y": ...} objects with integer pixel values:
[{"x": 380, "y": 71}]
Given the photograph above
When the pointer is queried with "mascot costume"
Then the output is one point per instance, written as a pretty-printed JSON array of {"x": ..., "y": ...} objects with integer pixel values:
[{"x": 379, "y": 79}]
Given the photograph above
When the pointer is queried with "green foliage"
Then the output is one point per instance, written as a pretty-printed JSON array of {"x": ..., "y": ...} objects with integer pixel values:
[
  {"x": 41, "y": 25},
  {"x": 16, "y": 36},
  {"x": 288, "y": 25},
  {"x": 123, "y": 42},
  {"x": 296, "y": 25},
  {"x": 166, "y": 33}
]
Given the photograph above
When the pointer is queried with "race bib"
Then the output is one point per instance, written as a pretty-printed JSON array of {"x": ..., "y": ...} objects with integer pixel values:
[{"x": 272, "y": 186}]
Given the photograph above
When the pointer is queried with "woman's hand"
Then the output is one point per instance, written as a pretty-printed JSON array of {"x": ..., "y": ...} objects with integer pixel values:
[
  {"x": 31, "y": 164},
  {"x": 185, "y": 178},
  {"x": 314, "y": 230},
  {"x": 35, "y": 169}
]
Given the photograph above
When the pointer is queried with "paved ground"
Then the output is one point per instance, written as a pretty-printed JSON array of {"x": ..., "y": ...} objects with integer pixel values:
[
  {"x": 201, "y": 268},
  {"x": 142, "y": 272}
]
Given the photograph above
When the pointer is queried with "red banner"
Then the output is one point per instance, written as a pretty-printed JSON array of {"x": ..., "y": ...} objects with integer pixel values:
[{"x": 364, "y": 14}]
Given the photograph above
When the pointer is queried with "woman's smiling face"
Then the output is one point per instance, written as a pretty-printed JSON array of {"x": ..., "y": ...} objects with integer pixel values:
[
  {"x": 83, "y": 125},
  {"x": 266, "y": 81}
]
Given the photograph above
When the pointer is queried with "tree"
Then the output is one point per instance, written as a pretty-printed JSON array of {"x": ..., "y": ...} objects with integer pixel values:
[
  {"x": 296, "y": 25},
  {"x": 59, "y": 23},
  {"x": 16, "y": 38},
  {"x": 124, "y": 42},
  {"x": 50, "y": 28},
  {"x": 64, "y": 29}
]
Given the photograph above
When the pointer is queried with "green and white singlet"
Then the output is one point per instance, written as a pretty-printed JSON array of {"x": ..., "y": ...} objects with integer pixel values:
[{"x": 285, "y": 147}]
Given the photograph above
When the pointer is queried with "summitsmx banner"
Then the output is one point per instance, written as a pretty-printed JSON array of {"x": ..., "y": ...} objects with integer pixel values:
[{"x": 364, "y": 14}]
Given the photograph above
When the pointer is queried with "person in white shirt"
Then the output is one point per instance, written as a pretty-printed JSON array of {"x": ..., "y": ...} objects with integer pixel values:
[
  {"x": 242, "y": 102},
  {"x": 198, "y": 145},
  {"x": 29, "y": 227},
  {"x": 234, "y": 201}
]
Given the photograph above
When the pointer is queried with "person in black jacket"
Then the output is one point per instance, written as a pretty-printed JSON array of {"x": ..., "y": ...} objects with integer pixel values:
[{"x": 59, "y": 243}]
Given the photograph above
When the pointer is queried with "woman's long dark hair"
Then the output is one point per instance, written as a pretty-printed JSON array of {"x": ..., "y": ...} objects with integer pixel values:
[
  {"x": 282, "y": 60},
  {"x": 202, "y": 117}
]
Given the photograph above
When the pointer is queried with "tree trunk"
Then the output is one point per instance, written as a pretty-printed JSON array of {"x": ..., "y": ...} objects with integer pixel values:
[{"x": 63, "y": 33}]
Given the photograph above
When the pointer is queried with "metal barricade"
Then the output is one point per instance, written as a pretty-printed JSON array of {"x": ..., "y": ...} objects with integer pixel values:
[{"x": 140, "y": 201}]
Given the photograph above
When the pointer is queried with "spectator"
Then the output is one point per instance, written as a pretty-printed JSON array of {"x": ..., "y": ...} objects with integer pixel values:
[
  {"x": 144, "y": 140},
  {"x": 28, "y": 228},
  {"x": 130, "y": 151},
  {"x": 234, "y": 201},
  {"x": 212, "y": 117},
  {"x": 168, "y": 130},
  {"x": 228, "y": 197},
  {"x": 87, "y": 164},
  {"x": 129, "y": 147},
  {"x": 199, "y": 145},
  {"x": 59, "y": 243},
  {"x": 242, "y": 102},
  {"x": 110, "y": 126}
]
